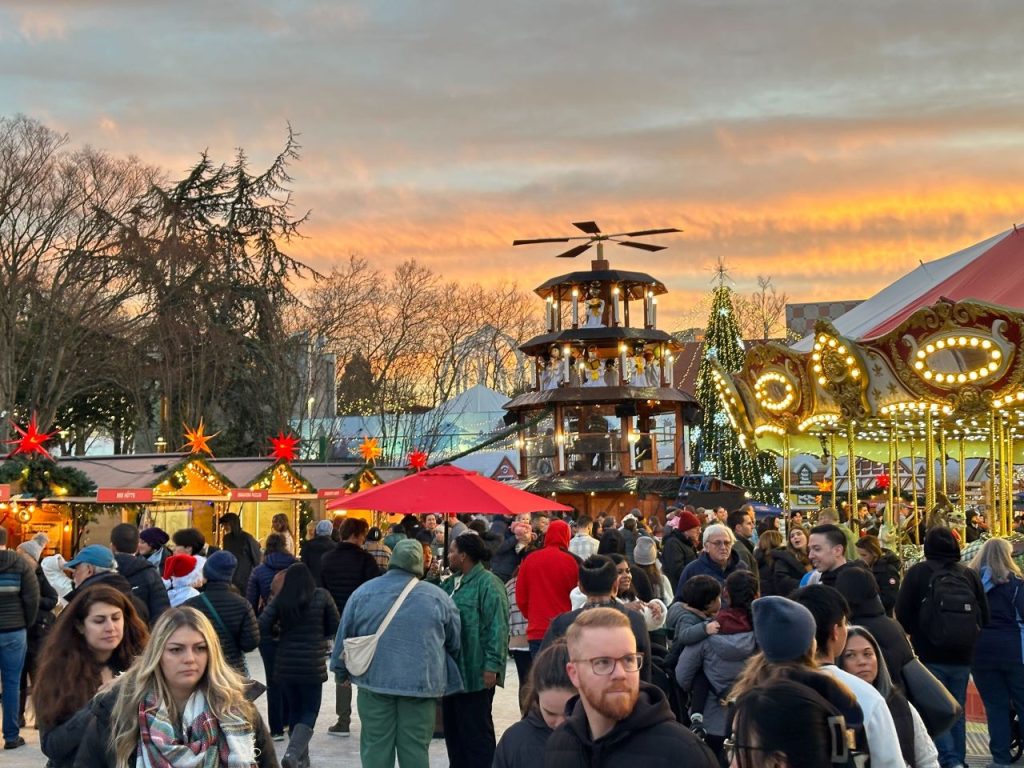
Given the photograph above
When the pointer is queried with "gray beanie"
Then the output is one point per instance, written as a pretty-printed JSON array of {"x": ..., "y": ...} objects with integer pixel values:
[
  {"x": 783, "y": 628},
  {"x": 408, "y": 556},
  {"x": 34, "y": 547},
  {"x": 646, "y": 551}
]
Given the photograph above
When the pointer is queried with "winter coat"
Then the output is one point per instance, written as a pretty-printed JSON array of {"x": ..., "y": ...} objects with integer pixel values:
[
  {"x": 146, "y": 583},
  {"x": 745, "y": 548},
  {"x": 258, "y": 590},
  {"x": 301, "y": 646},
  {"x": 688, "y": 628},
  {"x": 560, "y": 625},
  {"x": 677, "y": 552},
  {"x": 95, "y": 750},
  {"x": 766, "y": 570},
  {"x": 1002, "y": 636},
  {"x": 787, "y": 571},
  {"x": 546, "y": 578},
  {"x": 649, "y": 736},
  {"x": 19, "y": 592},
  {"x": 237, "y": 629},
  {"x": 612, "y": 543},
  {"x": 708, "y": 567},
  {"x": 483, "y": 610},
  {"x": 344, "y": 569},
  {"x": 509, "y": 556},
  {"x": 722, "y": 658},
  {"x": 886, "y": 571},
  {"x": 118, "y": 582},
  {"x": 247, "y": 552},
  {"x": 44, "y": 616},
  {"x": 61, "y": 743},
  {"x": 181, "y": 590},
  {"x": 311, "y": 552},
  {"x": 522, "y": 744},
  {"x": 416, "y": 654},
  {"x": 941, "y": 552}
]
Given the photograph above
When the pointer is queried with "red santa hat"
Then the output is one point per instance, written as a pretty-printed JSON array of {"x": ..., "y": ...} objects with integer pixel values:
[{"x": 179, "y": 566}]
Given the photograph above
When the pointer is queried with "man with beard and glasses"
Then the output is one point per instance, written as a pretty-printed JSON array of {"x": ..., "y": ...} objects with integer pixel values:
[{"x": 616, "y": 720}]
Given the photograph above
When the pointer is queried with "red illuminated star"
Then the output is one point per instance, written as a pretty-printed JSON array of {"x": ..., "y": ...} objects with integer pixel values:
[
  {"x": 31, "y": 440},
  {"x": 418, "y": 460},
  {"x": 197, "y": 441},
  {"x": 285, "y": 447}
]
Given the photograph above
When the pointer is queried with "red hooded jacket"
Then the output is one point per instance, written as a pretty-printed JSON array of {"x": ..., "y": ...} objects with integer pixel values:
[{"x": 546, "y": 578}]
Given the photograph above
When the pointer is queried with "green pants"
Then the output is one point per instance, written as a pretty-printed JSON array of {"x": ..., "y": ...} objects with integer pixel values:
[{"x": 394, "y": 724}]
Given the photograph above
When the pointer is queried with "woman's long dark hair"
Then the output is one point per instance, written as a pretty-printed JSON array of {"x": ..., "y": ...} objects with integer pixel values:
[
  {"x": 69, "y": 670},
  {"x": 296, "y": 592},
  {"x": 547, "y": 672}
]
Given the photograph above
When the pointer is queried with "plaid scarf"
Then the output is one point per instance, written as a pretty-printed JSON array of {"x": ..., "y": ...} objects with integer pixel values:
[{"x": 205, "y": 743}]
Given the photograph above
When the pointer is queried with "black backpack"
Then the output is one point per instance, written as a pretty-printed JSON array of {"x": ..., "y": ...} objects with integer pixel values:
[{"x": 950, "y": 615}]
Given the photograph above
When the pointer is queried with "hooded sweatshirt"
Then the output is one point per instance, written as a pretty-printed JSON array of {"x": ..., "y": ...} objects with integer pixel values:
[
  {"x": 546, "y": 578},
  {"x": 649, "y": 736},
  {"x": 940, "y": 552}
]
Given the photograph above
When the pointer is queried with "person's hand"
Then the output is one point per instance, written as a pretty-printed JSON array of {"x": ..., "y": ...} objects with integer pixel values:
[
  {"x": 712, "y": 627},
  {"x": 490, "y": 679},
  {"x": 635, "y": 605},
  {"x": 656, "y": 611}
]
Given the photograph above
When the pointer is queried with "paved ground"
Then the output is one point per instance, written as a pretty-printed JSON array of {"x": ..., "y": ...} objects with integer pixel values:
[{"x": 344, "y": 753}]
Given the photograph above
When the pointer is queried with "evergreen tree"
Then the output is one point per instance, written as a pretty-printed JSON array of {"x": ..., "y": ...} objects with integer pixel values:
[{"x": 715, "y": 447}]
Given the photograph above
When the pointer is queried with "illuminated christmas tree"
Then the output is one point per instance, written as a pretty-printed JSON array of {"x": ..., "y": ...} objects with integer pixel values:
[{"x": 715, "y": 446}]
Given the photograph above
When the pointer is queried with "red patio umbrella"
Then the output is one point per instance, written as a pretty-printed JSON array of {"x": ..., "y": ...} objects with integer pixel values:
[{"x": 448, "y": 490}]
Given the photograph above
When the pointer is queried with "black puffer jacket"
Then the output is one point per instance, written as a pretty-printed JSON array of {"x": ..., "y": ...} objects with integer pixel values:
[
  {"x": 19, "y": 599},
  {"x": 311, "y": 552},
  {"x": 886, "y": 571},
  {"x": 522, "y": 745},
  {"x": 677, "y": 552},
  {"x": 787, "y": 571},
  {"x": 301, "y": 656},
  {"x": 95, "y": 751},
  {"x": 346, "y": 568},
  {"x": 146, "y": 583},
  {"x": 118, "y": 582},
  {"x": 246, "y": 550},
  {"x": 650, "y": 736},
  {"x": 237, "y": 629}
]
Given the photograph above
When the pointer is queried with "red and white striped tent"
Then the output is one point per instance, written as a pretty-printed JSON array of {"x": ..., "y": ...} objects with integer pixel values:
[{"x": 991, "y": 272}]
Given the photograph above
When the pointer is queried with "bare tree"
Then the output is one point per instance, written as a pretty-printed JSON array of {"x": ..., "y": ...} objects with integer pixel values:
[{"x": 762, "y": 314}]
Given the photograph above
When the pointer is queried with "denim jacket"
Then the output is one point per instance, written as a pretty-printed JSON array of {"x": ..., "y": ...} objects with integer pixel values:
[{"x": 416, "y": 655}]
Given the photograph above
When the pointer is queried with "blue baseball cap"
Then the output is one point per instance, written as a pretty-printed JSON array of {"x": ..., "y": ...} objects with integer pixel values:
[{"x": 94, "y": 554}]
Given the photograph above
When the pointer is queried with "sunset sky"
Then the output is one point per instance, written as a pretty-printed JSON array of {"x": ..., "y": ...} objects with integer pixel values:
[{"x": 829, "y": 145}]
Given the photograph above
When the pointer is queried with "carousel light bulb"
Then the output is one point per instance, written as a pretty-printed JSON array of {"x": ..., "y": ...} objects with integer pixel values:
[
  {"x": 919, "y": 365},
  {"x": 822, "y": 339},
  {"x": 832, "y": 343},
  {"x": 940, "y": 344},
  {"x": 986, "y": 344},
  {"x": 855, "y": 373},
  {"x": 996, "y": 354},
  {"x": 961, "y": 378},
  {"x": 920, "y": 354},
  {"x": 821, "y": 380},
  {"x": 849, "y": 360},
  {"x": 817, "y": 369},
  {"x": 939, "y": 378},
  {"x": 930, "y": 348},
  {"x": 928, "y": 375},
  {"x": 993, "y": 366},
  {"x": 962, "y": 341},
  {"x": 973, "y": 375}
]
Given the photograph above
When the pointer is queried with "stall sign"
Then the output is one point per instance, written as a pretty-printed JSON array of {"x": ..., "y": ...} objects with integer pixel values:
[
  {"x": 124, "y": 495},
  {"x": 5, "y": 492},
  {"x": 245, "y": 494},
  {"x": 330, "y": 493}
]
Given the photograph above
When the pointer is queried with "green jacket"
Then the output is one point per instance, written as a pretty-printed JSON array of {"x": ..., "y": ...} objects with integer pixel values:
[{"x": 483, "y": 609}]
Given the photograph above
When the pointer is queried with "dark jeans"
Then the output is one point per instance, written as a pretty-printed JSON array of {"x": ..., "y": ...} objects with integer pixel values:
[
  {"x": 999, "y": 686},
  {"x": 277, "y": 707},
  {"x": 303, "y": 702},
  {"x": 952, "y": 745},
  {"x": 12, "y": 659},
  {"x": 469, "y": 728},
  {"x": 524, "y": 660}
]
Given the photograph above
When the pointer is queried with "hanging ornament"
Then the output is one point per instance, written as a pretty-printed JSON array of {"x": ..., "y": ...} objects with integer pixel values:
[
  {"x": 197, "y": 441},
  {"x": 31, "y": 440},
  {"x": 285, "y": 447},
  {"x": 418, "y": 460},
  {"x": 825, "y": 486},
  {"x": 370, "y": 449},
  {"x": 883, "y": 481}
]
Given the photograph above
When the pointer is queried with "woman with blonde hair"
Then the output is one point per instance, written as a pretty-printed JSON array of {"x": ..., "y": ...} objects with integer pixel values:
[
  {"x": 178, "y": 703},
  {"x": 998, "y": 669}
]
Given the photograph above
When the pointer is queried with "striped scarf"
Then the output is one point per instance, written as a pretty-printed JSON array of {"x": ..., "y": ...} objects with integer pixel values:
[{"x": 205, "y": 742}]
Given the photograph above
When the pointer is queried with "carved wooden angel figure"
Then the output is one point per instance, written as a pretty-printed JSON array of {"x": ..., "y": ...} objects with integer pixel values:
[
  {"x": 594, "y": 317},
  {"x": 593, "y": 375}
]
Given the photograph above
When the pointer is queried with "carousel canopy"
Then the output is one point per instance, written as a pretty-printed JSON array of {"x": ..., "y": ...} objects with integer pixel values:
[{"x": 987, "y": 272}]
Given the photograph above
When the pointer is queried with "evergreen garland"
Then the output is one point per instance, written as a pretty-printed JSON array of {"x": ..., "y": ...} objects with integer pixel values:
[
  {"x": 715, "y": 447},
  {"x": 41, "y": 478}
]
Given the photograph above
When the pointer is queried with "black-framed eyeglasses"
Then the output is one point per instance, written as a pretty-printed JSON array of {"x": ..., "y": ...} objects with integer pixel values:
[
  {"x": 730, "y": 748},
  {"x": 605, "y": 665}
]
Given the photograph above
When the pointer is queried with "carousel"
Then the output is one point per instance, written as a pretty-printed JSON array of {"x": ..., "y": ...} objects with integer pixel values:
[
  {"x": 921, "y": 382},
  {"x": 603, "y": 427}
]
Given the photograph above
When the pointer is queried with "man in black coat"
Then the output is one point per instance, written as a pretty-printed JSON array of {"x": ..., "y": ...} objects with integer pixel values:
[
  {"x": 680, "y": 545},
  {"x": 343, "y": 570},
  {"x": 147, "y": 584},
  {"x": 312, "y": 551},
  {"x": 617, "y": 721},
  {"x": 243, "y": 546}
]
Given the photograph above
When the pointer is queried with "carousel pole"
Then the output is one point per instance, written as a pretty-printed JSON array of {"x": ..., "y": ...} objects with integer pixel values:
[
  {"x": 786, "y": 475},
  {"x": 962, "y": 470},
  {"x": 851, "y": 468},
  {"x": 942, "y": 459},
  {"x": 833, "y": 464},
  {"x": 993, "y": 460},
  {"x": 915, "y": 515},
  {"x": 890, "y": 505},
  {"x": 1007, "y": 474},
  {"x": 929, "y": 460}
]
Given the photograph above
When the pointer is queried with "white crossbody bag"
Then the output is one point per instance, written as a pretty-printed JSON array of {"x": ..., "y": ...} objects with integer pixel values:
[{"x": 358, "y": 652}]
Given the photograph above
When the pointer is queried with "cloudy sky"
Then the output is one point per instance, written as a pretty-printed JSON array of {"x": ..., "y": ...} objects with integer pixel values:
[{"x": 829, "y": 145}]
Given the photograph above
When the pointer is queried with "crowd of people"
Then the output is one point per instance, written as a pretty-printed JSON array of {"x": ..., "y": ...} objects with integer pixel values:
[{"x": 696, "y": 638}]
